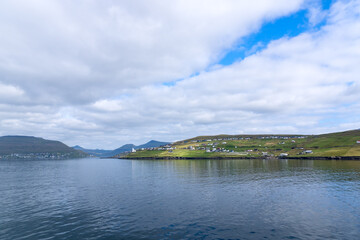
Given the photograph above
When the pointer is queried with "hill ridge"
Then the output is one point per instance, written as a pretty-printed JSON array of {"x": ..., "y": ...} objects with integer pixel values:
[{"x": 17, "y": 146}]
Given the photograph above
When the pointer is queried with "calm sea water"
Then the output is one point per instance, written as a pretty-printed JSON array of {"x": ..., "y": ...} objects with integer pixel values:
[{"x": 182, "y": 199}]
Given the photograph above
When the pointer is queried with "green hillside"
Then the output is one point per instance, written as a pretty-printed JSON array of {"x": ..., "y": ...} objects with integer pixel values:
[
  {"x": 342, "y": 144},
  {"x": 28, "y": 147}
]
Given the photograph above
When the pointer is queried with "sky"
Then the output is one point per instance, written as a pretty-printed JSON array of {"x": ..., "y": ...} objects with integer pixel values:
[{"x": 101, "y": 74}]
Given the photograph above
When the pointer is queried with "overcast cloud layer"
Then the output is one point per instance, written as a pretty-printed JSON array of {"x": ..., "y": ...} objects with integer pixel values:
[{"x": 92, "y": 72}]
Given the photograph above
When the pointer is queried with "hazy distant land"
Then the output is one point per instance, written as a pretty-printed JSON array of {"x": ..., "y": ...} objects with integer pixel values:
[{"x": 123, "y": 149}]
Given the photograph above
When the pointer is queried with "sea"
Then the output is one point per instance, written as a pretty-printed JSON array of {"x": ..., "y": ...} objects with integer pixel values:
[{"x": 94, "y": 198}]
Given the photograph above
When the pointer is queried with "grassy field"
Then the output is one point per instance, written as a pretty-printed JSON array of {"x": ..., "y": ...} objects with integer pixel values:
[{"x": 342, "y": 144}]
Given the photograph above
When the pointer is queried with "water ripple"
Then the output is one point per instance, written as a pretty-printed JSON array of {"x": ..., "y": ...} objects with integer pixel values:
[{"x": 202, "y": 199}]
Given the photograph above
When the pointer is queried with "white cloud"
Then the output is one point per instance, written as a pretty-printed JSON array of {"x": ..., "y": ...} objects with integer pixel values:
[
  {"x": 108, "y": 105},
  {"x": 10, "y": 93},
  {"x": 91, "y": 71},
  {"x": 77, "y": 52}
]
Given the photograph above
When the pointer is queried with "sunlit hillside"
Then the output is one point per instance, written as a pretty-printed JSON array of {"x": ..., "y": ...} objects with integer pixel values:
[{"x": 259, "y": 146}]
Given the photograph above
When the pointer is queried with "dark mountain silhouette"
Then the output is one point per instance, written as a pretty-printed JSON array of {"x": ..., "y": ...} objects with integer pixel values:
[{"x": 34, "y": 145}]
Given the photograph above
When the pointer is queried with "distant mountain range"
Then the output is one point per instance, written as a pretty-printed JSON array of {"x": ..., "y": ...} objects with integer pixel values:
[
  {"x": 34, "y": 147},
  {"x": 122, "y": 149}
]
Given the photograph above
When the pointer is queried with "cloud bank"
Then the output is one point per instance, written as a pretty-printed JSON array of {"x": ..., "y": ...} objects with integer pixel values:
[{"x": 106, "y": 73}]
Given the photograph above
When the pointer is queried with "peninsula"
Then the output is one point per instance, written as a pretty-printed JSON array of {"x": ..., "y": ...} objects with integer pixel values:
[{"x": 340, "y": 145}]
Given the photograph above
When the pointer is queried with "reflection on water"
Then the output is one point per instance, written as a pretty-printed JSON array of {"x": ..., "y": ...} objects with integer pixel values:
[{"x": 197, "y": 199}]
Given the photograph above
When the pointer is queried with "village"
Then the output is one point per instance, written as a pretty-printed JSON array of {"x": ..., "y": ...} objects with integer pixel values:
[
  {"x": 233, "y": 145},
  {"x": 256, "y": 146},
  {"x": 55, "y": 156}
]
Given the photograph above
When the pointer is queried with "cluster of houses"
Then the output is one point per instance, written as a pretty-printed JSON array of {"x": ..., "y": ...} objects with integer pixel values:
[
  {"x": 247, "y": 138},
  {"x": 211, "y": 145},
  {"x": 167, "y": 147},
  {"x": 218, "y": 150},
  {"x": 37, "y": 156},
  {"x": 213, "y": 148},
  {"x": 282, "y": 143}
]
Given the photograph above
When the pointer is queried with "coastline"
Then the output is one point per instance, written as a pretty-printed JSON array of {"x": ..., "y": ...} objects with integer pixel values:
[{"x": 341, "y": 158}]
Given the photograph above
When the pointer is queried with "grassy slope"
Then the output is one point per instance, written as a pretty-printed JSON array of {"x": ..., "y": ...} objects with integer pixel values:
[
  {"x": 325, "y": 145},
  {"x": 336, "y": 144}
]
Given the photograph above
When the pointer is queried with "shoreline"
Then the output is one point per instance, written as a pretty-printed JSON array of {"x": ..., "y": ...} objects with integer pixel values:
[{"x": 340, "y": 158}]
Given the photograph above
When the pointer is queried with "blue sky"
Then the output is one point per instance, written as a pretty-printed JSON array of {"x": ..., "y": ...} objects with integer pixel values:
[{"x": 287, "y": 26}]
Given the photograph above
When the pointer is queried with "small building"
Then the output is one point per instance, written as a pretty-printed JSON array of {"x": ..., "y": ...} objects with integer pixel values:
[
  {"x": 308, "y": 151},
  {"x": 358, "y": 141},
  {"x": 133, "y": 150},
  {"x": 283, "y": 155}
]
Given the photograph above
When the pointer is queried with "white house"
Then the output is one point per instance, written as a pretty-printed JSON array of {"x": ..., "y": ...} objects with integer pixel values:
[
  {"x": 358, "y": 141},
  {"x": 133, "y": 150}
]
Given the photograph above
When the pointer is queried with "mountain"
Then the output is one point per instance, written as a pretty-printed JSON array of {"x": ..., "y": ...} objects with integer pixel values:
[
  {"x": 34, "y": 147},
  {"x": 122, "y": 149},
  {"x": 106, "y": 153},
  {"x": 152, "y": 144},
  {"x": 95, "y": 152}
]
